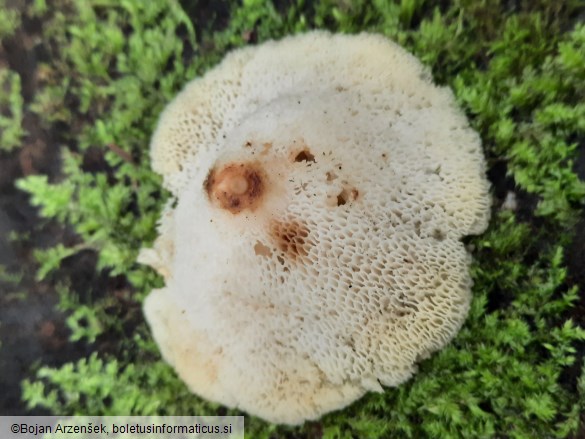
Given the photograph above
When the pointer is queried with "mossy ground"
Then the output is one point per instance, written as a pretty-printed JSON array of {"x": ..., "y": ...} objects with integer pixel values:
[{"x": 86, "y": 81}]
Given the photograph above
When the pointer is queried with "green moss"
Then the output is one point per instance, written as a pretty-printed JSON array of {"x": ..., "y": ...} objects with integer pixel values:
[
  {"x": 9, "y": 20},
  {"x": 519, "y": 74},
  {"x": 11, "y": 111}
]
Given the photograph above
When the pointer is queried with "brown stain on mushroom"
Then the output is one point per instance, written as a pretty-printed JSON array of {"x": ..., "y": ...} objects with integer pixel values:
[
  {"x": 262, "y": 250},
  {"x": 266, "y": 148},
  {"x": 347, "y": 194},
  {"x": 236, "y": 186},
  {"x": 304, "y": 156},
  {"x": 330, "y": 176},
  {"x": 300, "y": 152},
  {"x": 291, "y": 238}
]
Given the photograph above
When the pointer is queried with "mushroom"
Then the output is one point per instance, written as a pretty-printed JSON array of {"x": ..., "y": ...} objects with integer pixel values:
[{"x": 312, "y": 251}]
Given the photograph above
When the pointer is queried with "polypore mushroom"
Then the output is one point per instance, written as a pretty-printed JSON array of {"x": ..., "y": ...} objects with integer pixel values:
[{"x": 322, "y": 186}]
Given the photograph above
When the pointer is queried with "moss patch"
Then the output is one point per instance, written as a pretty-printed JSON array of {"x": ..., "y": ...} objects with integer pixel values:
[{"x": 518, "y": 70}]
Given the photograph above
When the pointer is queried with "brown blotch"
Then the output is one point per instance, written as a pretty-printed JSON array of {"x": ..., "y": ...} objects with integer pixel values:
[
  {"x": 347, "y": 195},
  {"x": 262, "y": 250},
  {"x": 330, "y": 176},
  {"x": 291, "y": 238},
  {"x": 237, "y": 186},
  {"x": 266, "y": 148},
  {"x": 304, "y": 156}
]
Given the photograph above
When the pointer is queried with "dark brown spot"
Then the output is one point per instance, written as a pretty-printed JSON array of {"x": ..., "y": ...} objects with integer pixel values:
[
  {"x": 236, "y": 186},
  {"x": 347, "y": 195},
  {"x": 291, "y": 238},
  {"x": 304, "y": 156}
]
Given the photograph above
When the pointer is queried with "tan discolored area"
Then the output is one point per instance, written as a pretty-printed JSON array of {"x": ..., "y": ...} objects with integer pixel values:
[
  {"x": 236, "y": 186},
  {"x": 204, "y": 367},
  {"x": 197, "y": 358},
  {"x": 262, "y": 250},
  {"x": 291, "y": 238}
]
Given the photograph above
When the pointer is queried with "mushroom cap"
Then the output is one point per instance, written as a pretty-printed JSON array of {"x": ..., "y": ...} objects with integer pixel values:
[{"x": 322, "y": 186}]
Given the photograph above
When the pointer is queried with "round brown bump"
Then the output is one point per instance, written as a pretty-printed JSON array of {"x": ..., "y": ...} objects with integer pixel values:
[{"x": 236, "y": 186}]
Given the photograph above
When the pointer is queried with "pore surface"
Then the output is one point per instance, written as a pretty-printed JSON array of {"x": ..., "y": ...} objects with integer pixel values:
[{"x": 314, "y": 251}]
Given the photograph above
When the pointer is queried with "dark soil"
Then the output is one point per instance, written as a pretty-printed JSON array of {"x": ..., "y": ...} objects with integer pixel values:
[{"x": 31, "y": 330}]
